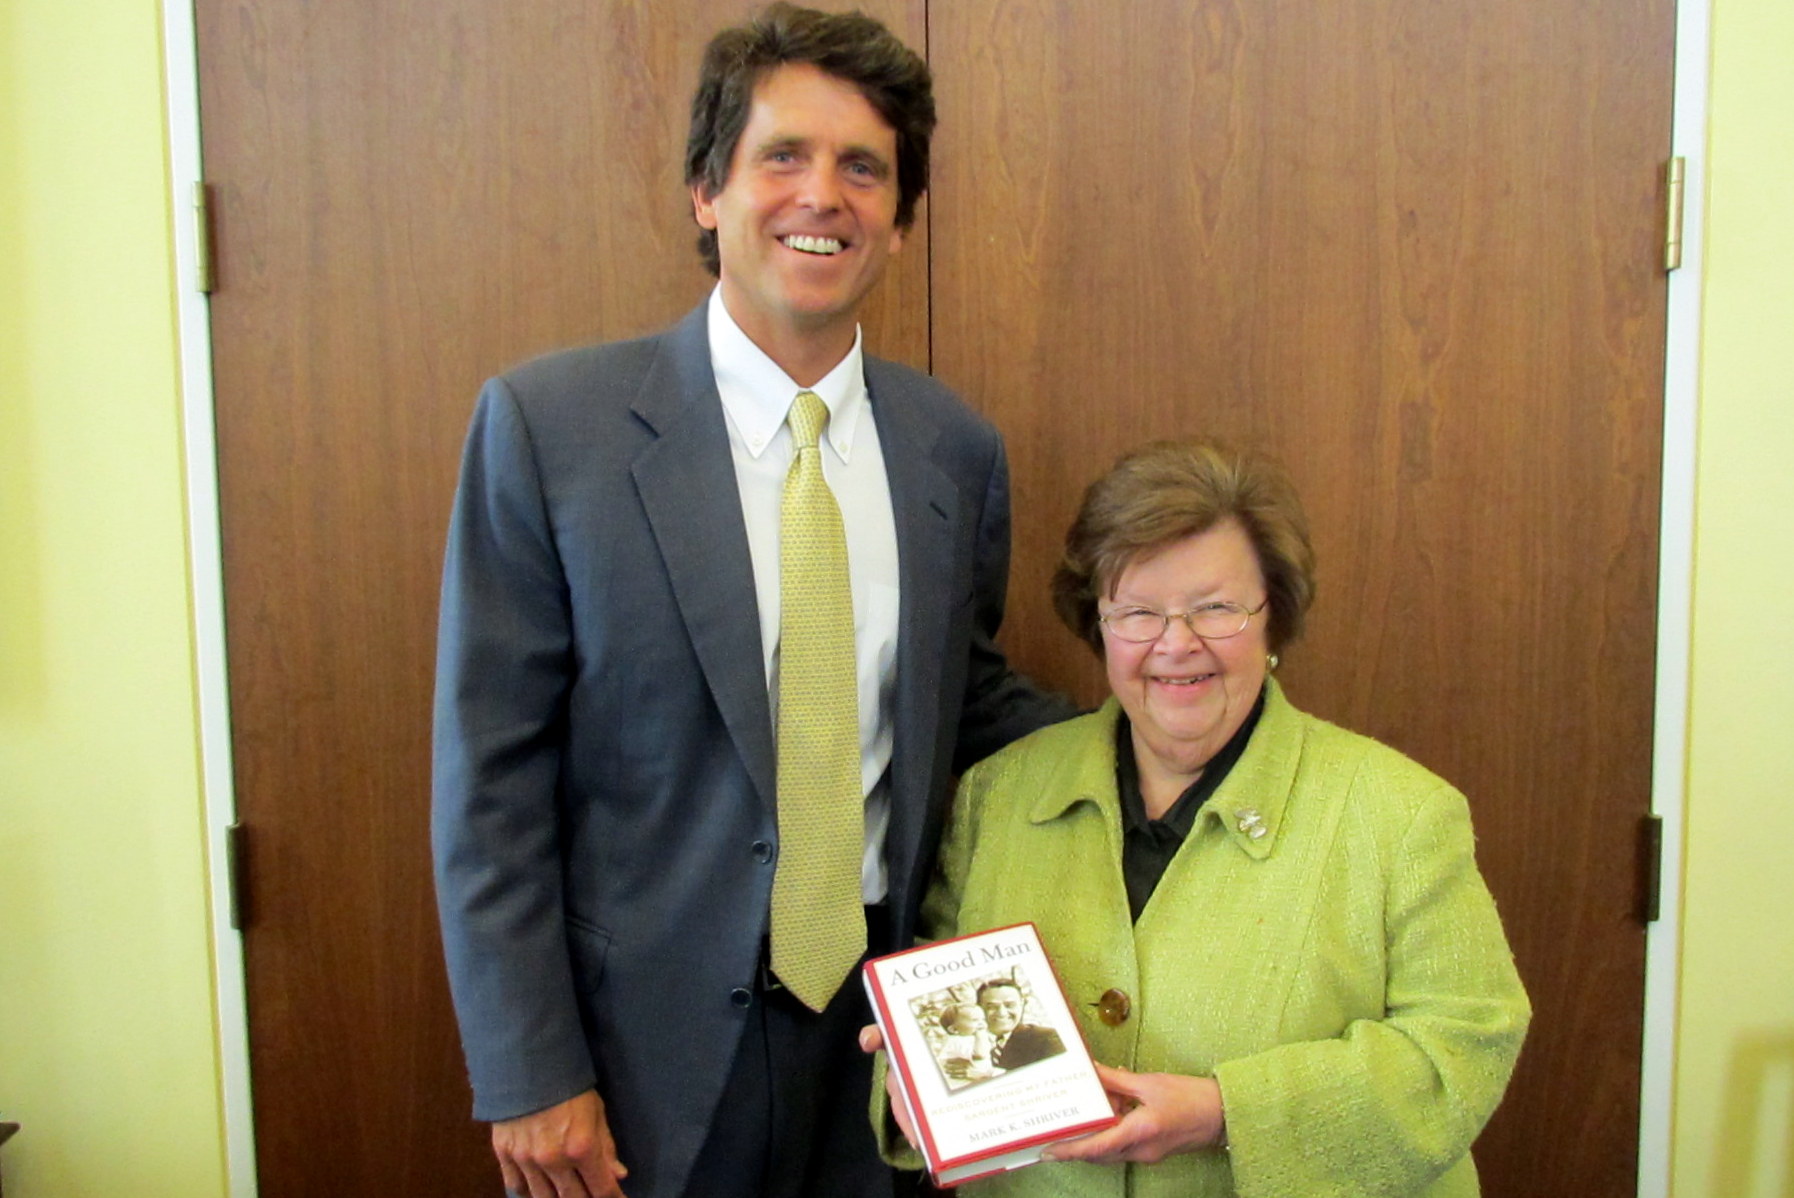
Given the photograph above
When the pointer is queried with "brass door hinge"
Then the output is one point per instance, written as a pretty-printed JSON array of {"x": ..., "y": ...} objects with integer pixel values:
[
  {"x": 236, "y": 870},
  {"x": 1672, "y": 231},
  {"x": 1650, "y": 868},
  {"x": 206, "y": 277}
]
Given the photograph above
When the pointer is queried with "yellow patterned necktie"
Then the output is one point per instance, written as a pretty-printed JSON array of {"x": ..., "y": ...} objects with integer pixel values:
[{"x": 818, "y": 923}]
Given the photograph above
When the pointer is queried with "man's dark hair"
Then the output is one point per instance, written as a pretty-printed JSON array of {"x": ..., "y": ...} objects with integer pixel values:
[
  {"x": 850, "y": 46},
  {"x": 996, "y": 984}
]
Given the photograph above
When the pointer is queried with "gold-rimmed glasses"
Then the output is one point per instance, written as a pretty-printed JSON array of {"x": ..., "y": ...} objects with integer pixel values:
[{"x": 1210, "y": 621}]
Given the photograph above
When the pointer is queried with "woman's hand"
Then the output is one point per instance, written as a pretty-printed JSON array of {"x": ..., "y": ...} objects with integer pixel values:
[
  {"x": 872, "y": 1041},
  {"x": 1162, "y": 1114}
]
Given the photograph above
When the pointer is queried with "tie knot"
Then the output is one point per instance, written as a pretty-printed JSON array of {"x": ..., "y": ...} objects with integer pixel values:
[{"x": 808, "y": 416}]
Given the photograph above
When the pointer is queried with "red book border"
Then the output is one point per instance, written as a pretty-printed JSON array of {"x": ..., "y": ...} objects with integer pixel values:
[{"x": 894, "y": 1047}]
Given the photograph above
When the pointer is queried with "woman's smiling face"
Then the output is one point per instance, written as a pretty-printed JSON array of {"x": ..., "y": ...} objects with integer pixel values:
[{"x": 1186, "y": 696}]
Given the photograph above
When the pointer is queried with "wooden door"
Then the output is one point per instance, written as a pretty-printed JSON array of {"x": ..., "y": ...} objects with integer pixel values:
[
  {"x": 409, "y": 197},
  {"x": 1413, "y": 250},
  {"x": 1406, "y": 245}
]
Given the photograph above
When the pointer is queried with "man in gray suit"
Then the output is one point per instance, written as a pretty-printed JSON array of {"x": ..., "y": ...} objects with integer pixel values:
[
  {"x": 1015, "y": 1043},
  {"x": 605, "y": 824}
]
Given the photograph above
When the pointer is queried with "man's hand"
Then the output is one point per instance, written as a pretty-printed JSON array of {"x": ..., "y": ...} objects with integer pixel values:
[
  {"x": 562, "y": 1152},
  {"x": 871, "y": 1041},
  {"x": 1162, "y": 1114}
]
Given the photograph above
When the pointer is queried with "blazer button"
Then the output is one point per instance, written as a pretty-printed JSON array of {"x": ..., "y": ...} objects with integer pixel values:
[
  {"x": 763, "y": 851},
  {"x": 741, "y": 997},
  {"x": 1114, "y": 1007}
]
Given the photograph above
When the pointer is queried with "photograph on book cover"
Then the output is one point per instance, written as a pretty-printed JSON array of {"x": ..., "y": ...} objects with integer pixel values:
[{"x": 985, "y": 1027}]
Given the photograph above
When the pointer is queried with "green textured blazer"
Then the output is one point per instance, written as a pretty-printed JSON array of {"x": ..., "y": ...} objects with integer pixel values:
[{"x": 1343, "y": 975}]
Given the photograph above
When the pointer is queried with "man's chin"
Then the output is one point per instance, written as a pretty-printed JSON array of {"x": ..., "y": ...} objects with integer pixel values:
[
  {"x": 820, "y": 314},
  {"x": 827, "y": 301}
]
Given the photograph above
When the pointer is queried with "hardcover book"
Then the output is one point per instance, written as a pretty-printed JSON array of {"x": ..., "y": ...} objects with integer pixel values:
[{"x": 989, "y": 1062}]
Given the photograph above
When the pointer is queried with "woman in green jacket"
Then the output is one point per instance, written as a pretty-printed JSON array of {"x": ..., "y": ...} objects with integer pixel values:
[{"x": 1273, "y": 930}]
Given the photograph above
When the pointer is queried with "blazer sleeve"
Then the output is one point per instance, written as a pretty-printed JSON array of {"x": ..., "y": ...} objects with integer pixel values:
[
  {"x": 940, "y": 921},
  {"x": 1392, "y": 1103},
  {"x": 1000, "y": 705},
  {"x": 504, "y": 664}
]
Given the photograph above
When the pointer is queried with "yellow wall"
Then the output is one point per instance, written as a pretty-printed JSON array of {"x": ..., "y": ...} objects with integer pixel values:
[
  {"x": 107, "y": 1051},
  {"x": 1735, "y": 1049},
  {"x": 107, "y": 1048}
]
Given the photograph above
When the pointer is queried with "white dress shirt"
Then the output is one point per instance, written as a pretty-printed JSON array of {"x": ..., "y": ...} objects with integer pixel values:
[{"x": 756, "y": 397}]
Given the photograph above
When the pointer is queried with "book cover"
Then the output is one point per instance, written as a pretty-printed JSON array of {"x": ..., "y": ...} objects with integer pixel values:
[{"x": 989, "y": 1061}]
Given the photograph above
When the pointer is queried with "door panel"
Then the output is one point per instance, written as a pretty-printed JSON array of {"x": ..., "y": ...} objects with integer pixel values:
[
  {"x": 410, "y": 197},
  {"x": 1411, "y": 250},
  {"x": 1409, "y": 247}
]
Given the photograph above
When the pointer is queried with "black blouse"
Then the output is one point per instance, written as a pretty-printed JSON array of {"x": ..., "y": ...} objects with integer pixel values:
[{"x": 1147, "y": 845}]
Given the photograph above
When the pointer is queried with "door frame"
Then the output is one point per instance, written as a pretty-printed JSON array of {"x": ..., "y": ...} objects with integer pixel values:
[
  {"x": 205, "y": 568},
  {"x": 1675, "y": 576},
  {"x": 1675, "y": 597}
]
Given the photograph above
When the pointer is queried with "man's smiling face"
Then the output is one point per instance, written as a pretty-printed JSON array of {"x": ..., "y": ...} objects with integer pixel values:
[
  {"x": 1002, "y": 1008},
  {"x": 807, "y": 220}
]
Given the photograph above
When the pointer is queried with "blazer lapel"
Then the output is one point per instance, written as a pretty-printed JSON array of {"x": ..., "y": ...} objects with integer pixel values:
[
  {"x": 925, "y": 508},
  {"x": 686, "y": 479}
]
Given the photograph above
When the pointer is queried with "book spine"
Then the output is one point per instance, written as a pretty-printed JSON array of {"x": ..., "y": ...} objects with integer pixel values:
[{"x": 897, "y": 1062}]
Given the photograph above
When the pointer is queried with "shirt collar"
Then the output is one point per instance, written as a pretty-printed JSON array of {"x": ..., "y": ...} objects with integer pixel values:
[
  {"x": 1250, "y": 799},
  {"x": 757, "y": 394},
  {"x": 1181, "y": 815}
]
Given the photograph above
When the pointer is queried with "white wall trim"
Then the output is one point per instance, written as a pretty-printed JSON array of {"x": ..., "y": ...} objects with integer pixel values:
[
  {"x": 1675, "y": 601},
  {"x": 206, "y": 563}
]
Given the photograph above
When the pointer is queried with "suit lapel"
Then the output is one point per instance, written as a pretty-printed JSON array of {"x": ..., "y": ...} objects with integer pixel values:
[
  {"x": 686, "y": 479},
  {"x": 925, "y": 507}
]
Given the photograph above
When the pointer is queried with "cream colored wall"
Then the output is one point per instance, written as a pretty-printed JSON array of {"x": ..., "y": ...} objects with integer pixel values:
[
  {"x": 107, "y": 1048},
  {"x": 1734, "y": 1121}
]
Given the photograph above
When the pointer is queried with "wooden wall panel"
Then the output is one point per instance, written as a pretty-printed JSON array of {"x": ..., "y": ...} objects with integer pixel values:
[{"x": 1410, "y": 249}]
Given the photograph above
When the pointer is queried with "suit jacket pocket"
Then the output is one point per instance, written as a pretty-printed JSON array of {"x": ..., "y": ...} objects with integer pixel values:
[{"x": 588, "y": 945}]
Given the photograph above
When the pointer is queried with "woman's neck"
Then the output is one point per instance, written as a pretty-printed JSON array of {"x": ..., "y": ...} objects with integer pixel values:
[{"x": 1160, "y": 786}]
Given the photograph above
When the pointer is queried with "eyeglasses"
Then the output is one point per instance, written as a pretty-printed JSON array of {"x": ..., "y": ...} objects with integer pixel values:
[{"x": 1210, "y": 621}]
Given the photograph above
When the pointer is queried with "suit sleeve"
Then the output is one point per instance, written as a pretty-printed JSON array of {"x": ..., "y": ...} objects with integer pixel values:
[
  {"x": 1393, "y": 1102},
  {"x": 1000, "y": 705},
  {"x": 504, "y": 664}
]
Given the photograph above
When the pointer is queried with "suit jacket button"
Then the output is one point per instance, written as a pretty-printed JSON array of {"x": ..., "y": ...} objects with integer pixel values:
[
  {"x": 741, "y": 997},
  {"x": 1114, "y": 1007},
  {"x": 763, "y": 851}
]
